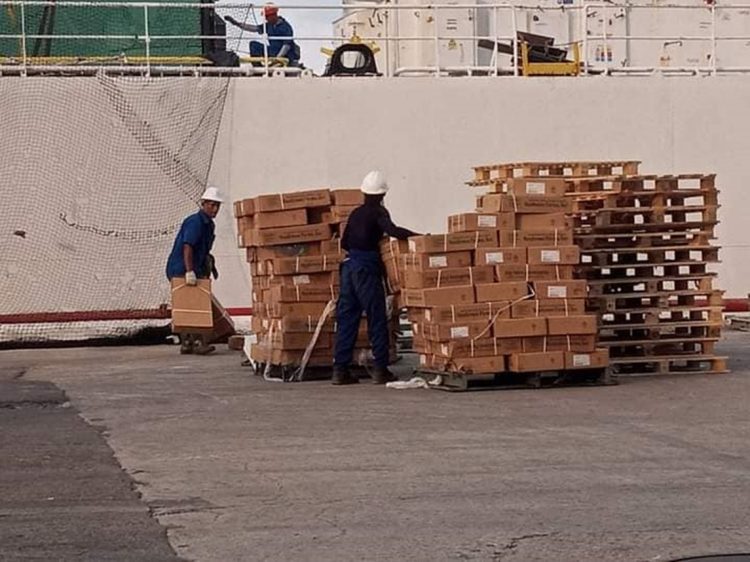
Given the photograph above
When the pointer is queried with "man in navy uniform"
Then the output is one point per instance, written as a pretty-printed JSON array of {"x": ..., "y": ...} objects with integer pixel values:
[
  {"x": 362, "y": 284},
  {"x": 279, "y": 33},
  {"x": 191, "y": 257}
]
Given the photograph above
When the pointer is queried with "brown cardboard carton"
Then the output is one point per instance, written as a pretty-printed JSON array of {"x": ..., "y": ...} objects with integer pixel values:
[
  {"x": 492, "y": 292},
  {"x": 280, "y": 219},
  {"x": 297, "y": 340},
  {"x": 320, "y": 215},
  {"x": 305, "y": 264},
  {"x": 331, "y": 246},
  {"x": 286, "y": 235},
  {"x": 265, "y": 354},
  {"x": 572, "y": 325},
  {"x": 303, "y": 293},
  {"x": 553, "y": 255},
  {"x": 498, "y": 255},
  {"x": 533, "y": 272},
  {"x": 244, "y": 208},
  {"x": 353, "y": 197},
  {"x": 392, "y": 274},
  {"x": 549, "y": 237},
  {"x": 593, "y": 360},
  {"x": 340, "y": 213},
  {"x": 534, "y": 344},
  {"x": 548, "y": 307},
  {"x": 542, "y": 221},
  {"x": 390, "y": 247},
  {"x": 575, "y": 289},
  {"x": 191, "y": 305},
  {"x": 438, "y": 297},
  {"x": 245, "y": 223},
  {"x": 529, "y": 362},
  {"x": 579, "y": 343},
  {"x": 431, "y": 261},
  {"x": 303, "y": 324},
  {"x": 485, "y": 311},
  {"x": 468, "y": 222},
  {"x": 283, "y": 309},
  {"x": 536, "y": 186},
  {"x": 294, "y": 200},
  {"x": 288, "y": 251},
  {"x": 502, "y": 203},
  {"x": 520, "y": 328},
  {"x": 447, "y": 332},
  {"x": 453, "y": 242},
  {"x": 321, "y": 279},
  {"x": 477, "y": 365},
  {"x": 482, "y": 347},
  {"x": 447, "y": 277}
]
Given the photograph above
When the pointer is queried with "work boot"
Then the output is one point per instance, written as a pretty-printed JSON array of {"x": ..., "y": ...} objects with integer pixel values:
[
  {"x": 341, "y": 376},
  {"x": 186, "y": 345},
  {"x": 200, "y": 347},
  {"x": 381, "y": 375}
]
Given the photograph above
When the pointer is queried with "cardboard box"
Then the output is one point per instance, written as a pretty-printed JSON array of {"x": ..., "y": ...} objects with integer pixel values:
[
  {"x": 324, "y": 279},
  {"x": 477, "y": 365},
  {"x": 498, "y": 255},
  {"x": 283, "y": 309},
  {"x": 549, "y": 237},
  {"x": 265, "y": 354},
  {"x": 447, "y": 277},
  {"x": 572, "y": 325},
  {"x": 468, "y": 222},
  {"x": 493, "y": 292},
  {"x": 286, "y": 235},
  {"x": 303, "y": 293},
  {"x": 536, "y": 186},
  {"x": 340, "y": 213},
  {"x": 466, "y": 313},
  {"x": 594, "y": 360},
  {"x": 529, "y": 362},
  {"x": 245, "y": 223},
  {"x": 448, "y": 332},
  {"x": 353, "y": 197},
  {"x": 286, "y": 251},
  {"x": 302, "y": 324},
  {"x": 548, "y": 307},
  {"x": 244, "y": 208},
  {"x": 525, "y": 204},
  {"x": 575, "y": 289},
  {"x": 453, "y": 242},
  {"x": 542, "y": 221},
  {"x": 393, "y": 248},
  {"x": 331, "y": 246},
  {"x": 436, "y": 297},
  {"x": 520, "y": 328},
  {"x": 506, "y": 273},
  {"x": 297, "y": 340},
  {"x": 191, "y": 305},
  {"x": 553, "y": 255},
  {"x": 431, "y": 261},
  {"x": 483, "y": 347},
  {"x": 280, "y": 219},
  {"x": 534, "y": 344},
  {"x": 580, "y": 343},
  {"x": 305, "y": 264},
  {"x": 294, "y": 200}
]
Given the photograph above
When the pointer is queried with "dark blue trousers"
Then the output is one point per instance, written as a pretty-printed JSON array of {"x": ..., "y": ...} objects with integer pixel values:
[{"x": 361, "y": 291}]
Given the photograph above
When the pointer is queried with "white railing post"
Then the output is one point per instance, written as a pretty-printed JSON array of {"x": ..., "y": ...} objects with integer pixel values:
[
  {"x": 515, "y": 41},
  {"x": 23, "y": 38},
  {"x": 713, "y": 39},
  {"x": 148, "y": 41},
  {"x": 495, "y": 35},
  {"x": 437, "y": 42}
]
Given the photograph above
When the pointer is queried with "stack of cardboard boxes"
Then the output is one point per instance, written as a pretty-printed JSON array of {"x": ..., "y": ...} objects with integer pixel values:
[
  {"x": 496, "y": 293},
  {"x": 292, "y": 243}
]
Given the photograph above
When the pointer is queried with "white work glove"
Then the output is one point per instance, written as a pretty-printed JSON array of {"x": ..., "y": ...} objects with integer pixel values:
[{"x": 190, "y": 278}]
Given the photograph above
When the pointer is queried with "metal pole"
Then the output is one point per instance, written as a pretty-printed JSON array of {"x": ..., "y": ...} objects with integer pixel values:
[
  {"x": 495, "y": 35},
  {"x": 148, "y": 42},
  {"x": 23, "y": 37},
  {"x": 514, "y": 19}
]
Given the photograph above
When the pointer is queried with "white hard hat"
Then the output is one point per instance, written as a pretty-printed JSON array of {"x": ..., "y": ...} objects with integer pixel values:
[
  {"x": 212, "y": 194},
  {"x": 374, "y": 183}
]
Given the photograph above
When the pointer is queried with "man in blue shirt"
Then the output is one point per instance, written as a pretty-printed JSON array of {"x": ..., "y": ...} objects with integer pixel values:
[
  {"x": 279, "y": 33},
  {"x": 362, "y": 288},
  {"x": 191, "y": 256}
]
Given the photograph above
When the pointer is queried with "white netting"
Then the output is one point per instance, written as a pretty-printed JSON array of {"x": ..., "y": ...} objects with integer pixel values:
[{"x": 96, "y": 174}]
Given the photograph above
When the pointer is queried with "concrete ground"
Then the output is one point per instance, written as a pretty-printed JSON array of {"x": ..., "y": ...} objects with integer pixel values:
[{"x": 236, "y": 468}]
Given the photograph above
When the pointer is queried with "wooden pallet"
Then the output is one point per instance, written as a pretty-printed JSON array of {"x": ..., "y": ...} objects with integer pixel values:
[
  {"x": 669, "y": 365},
  {"x": 618, "y": 241},
  {"x": 484, "y": 175},
  {"x": 643, "y": 285},
  {"x": 639, "y": 183},
  {"x": 458, "y": 382}
]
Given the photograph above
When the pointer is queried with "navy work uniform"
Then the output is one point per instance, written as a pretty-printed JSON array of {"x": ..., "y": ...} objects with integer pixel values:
[{"x": 362, "y": 286}]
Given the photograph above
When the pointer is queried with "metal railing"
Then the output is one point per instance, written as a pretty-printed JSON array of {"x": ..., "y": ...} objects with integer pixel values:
[{"x": 412, "y": 39}]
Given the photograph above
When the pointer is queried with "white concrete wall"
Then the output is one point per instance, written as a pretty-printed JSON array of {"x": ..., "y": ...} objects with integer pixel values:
[{"x": 285, "y": 135}]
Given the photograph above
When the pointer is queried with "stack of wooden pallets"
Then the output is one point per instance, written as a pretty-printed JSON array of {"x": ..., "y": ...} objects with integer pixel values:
[{"x": 646, "y": 251}]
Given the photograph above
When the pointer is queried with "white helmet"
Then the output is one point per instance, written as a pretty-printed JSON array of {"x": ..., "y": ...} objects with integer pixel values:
[
  {"x": 212, "y": 194},
  {"x": 374, "y": 183}
]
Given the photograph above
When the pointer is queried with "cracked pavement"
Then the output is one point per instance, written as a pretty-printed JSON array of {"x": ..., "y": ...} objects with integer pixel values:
[{"x": 235, "y": 468}]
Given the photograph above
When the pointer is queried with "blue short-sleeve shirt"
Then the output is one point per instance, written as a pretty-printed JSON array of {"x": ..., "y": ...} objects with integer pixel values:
[{"x": 197, "y": 230}]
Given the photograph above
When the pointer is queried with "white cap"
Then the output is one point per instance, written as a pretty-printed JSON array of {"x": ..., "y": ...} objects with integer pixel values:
[
  {"x": 212, "y": 194},
  {"x": 374, "y": 183}
]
